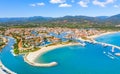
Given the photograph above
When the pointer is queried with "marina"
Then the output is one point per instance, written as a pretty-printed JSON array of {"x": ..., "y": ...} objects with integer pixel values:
[{"x": 106, "y": 50}]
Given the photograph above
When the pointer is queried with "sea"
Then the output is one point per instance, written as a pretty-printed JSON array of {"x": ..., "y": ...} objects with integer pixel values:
[{"x": 91, "y": 59}]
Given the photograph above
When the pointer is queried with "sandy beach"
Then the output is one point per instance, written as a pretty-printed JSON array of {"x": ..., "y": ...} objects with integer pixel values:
[
  {"x": 30, "y": 58},
  {"x": 95, "y": 36},
  {"x": 91, "y": 38}
]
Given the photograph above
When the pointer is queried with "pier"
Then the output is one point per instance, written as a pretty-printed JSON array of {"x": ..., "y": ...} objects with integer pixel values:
[{"x": 106, "y": 44}]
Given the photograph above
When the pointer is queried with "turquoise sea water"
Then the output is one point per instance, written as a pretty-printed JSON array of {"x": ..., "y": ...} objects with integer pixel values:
[
  {"x": 110, "y": 38},
  {"x": 92, "y": 59}
]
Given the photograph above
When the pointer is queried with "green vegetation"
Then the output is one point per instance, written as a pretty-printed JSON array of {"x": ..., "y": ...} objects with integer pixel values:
[
  {"x": 2, "y": 43},
  {"x": 29, "y": 50},
  {"x": 79, "y": 22},
  {"x": 16, "y": 50},
  {"x": 102, "y": 22},
  {"x": 65, "y": 25}
]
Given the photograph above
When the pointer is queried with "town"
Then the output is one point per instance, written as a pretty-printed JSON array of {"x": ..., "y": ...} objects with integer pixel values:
[{"x": 31, "y": 39}]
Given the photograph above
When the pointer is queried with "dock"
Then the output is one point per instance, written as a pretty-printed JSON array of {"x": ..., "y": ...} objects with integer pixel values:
[{"x": 106, "y": 44}]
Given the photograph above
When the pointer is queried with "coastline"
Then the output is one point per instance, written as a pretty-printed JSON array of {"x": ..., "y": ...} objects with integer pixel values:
[
  {"x": 5, "y": 41},
  {"x": 5, "y": 70},
  {"x": 30, "y": 57},
  {"x": 92, "y": 38},
  {"x": 105, "y": 33},
  {"x": 105, "y": 44}
]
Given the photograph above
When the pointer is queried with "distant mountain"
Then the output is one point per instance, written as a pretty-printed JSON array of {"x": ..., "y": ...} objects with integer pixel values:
[
  {"x": 25, "y": 19},
  {"x": 112, "y": 20},
  {"x": 102, "y": 17}
]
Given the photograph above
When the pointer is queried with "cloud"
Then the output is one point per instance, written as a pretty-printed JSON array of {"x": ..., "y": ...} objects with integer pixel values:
[
  {"x": 37, "y": 4},
  {"x": 65, "y": 5},
  {"x": 83, "y": 3},
  {"x": 33, "y": 5},
  {"x": 57, "y": 1},
  {"x": 116, "y": 6},
  {"x": 40, "y": 4},
  {"x": 103, "y": 4}
]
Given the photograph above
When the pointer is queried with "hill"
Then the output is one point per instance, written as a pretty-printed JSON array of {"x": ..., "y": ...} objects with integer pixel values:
[{"x": 99, "y": 20}]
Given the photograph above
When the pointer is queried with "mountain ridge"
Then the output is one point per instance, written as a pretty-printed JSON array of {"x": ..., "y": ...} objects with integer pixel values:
[{"x": 69, "y": 19}]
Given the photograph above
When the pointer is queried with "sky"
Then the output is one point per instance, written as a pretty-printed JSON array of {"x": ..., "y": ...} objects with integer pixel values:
[{"x": 58, "y": 8}]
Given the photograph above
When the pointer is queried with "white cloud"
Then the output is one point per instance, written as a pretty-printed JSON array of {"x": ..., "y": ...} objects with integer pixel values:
[
  {"x": 33, "y": 5},
  {"x": 116, "y": 6},
  {"x": 57, "y": 1},
  {"x": 40, "y": 4},
  {"x": 83, "y": 3},
  {"x": 65, "y": 5},
  {"x": 103, "y": 4},
  {"x": 37, "y": 4}
]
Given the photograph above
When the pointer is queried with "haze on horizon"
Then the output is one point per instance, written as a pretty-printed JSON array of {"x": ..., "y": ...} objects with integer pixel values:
[{"x": 58, "y": 8}]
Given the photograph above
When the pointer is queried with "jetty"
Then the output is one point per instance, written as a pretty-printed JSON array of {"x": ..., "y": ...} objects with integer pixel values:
[
  {"x": 117, "y": 54},
  {"x": 105, "y": 45},
  {"x": 113, "y": 49}
]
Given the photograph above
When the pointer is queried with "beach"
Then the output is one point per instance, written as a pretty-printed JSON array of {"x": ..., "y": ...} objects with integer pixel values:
[
  {"x": 30, "y": 57},
  {"x": 2, "y": 72},
  {"x": 92, "y": 38},
  {"x": 106, "y": 33}
]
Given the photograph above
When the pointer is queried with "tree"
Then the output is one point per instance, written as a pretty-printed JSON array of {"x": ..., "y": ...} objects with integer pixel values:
[{"x": 16, "y": 51}]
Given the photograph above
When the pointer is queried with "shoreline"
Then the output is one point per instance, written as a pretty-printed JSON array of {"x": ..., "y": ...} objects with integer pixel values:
[
  {"x": 92, "y": 38},
  {"x": 5, "y": 41},
  {"x": 105, "y": 44},
  {"x": 102, "y": 34},
  {"x": 5, "y": 70},
  {"x": 30, "y": 57}
]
